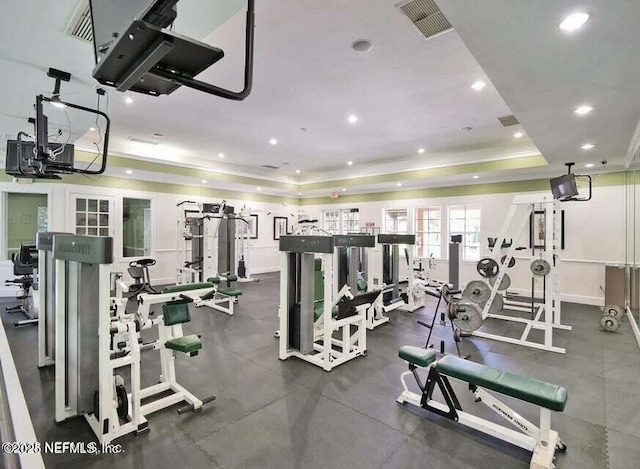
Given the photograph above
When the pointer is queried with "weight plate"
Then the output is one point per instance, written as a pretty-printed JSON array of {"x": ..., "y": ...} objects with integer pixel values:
[
  {"x": 470, "y": 319},
  {"x": 452, "y": 310},
  {"x": 609, "y": 322},
  {"x": 487, "y": 267},
  {"x": 613, "y": 310},
  {"x": 477, "y": 291},
  {"x": 445, "y": 292},
  {"x": 512, "y": 261},
  {"x": 540, "y": 267},
  {"x": 123, "y": 401},
  {"x": 496, "y": 305},
  {"x": 504, "y": 283}
]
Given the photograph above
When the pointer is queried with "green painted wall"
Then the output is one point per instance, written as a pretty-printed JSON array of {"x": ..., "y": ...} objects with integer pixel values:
[{"x": 26, "y": 214}]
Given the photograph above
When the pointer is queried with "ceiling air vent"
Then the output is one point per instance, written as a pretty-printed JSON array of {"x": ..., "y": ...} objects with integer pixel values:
[
  {"x": 506, "y": 121},
  {"x": 80, "y": 24},
  {"x": 268, "y": 166},
  {"x": 139, "y": 140},
  {"x": 426, "y": 16}
]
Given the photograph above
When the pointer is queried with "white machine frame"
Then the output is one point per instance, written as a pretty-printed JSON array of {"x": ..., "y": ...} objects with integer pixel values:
[
  {"x": 329, "y": 351},
  {"x": 211, "y": 225},
  {"x": 541, "y": 440},
  {"x": 548, "y": 315}
]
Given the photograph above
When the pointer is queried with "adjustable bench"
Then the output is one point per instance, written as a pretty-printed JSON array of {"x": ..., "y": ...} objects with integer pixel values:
[
  {"x": 223, "y": 294},
  {"x": 541, "y": 441}
]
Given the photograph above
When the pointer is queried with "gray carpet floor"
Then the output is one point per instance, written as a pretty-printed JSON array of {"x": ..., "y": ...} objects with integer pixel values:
[{"x": 291, "y": 414}]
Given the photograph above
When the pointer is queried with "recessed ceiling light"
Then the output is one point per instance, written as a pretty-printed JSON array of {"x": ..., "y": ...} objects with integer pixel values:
[
  {"x": 204, "y": 181},
  {"x": 398, "y": 184},
  {"x": 466, "y": 129},
  {"x": 478, "y": 85},
  {"x": 58, "y": 104},
  {"x": 343, "y": 189},
  {"x": 518, "y": 134},
  {"x": 128, "y": 100},
  {"x": 421, "y": 150},
  {"x": 589, "y": 165},
  {"x": 128, "y": 171},
  {"x": 587, "y": 146},
  {"x": 299, "y": 193},
  {"x": 350, "y": 163},
  {"x": 92, "y": 129},
  {"x": 476, "y": 176},
  {"x": 273, "y": 141},
  {"x": 258, "y": 188},
  {"x": 582, "y": 110},
  {"x": 220, "y": 155},
  {"x": 353, "y": 119},
  {"x": 298, "y": 171},
  {"x": 574, "y": 21},
  {"x": 362, "y": 45}
]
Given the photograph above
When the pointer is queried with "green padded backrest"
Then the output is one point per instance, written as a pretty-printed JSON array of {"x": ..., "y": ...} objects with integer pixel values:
[
  {"x": 187, "y": 287},
  {"x": 318, "y": 286},
  {"x": 176, "y": 312}
]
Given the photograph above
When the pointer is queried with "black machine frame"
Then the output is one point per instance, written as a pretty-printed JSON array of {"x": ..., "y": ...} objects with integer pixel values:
[{"x": 158, "y": 61}]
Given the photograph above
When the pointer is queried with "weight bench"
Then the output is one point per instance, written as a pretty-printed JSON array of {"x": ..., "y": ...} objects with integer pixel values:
[
  {"x": 222, "y": 294},
  {"x": 541, "y": 441}
]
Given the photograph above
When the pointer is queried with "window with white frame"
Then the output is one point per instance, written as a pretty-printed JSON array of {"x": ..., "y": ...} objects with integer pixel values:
[
  {"x": 92, "y": 216},
  {"x": 396, "y": 220},
  {"x": 465, "y": 220},
  {"x": 341, "y": 221},
  {"x": 429, "y": 232}
]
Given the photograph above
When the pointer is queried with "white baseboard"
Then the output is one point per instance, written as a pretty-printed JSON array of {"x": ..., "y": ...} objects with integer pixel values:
[{"x": 580, "y": 299}]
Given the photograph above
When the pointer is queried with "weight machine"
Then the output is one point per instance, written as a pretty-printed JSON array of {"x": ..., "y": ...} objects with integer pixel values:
[
  {"x": 95, "y": 337},
  {"x": 243, "y": 246},
  {"x": 25, "y": 264},
  {"x": 351, "y": 251},
  {"x": 396, "y": 291},
  {"x": 481, "y": 301},
  {"x": 317, "y": 324}
]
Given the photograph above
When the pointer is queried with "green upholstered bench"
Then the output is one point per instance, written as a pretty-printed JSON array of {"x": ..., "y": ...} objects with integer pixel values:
[
  {"x": 417, "y": 356},
  {"x": 550, "y": 396},
  {"x": 228, "y": 278},
  {"x": 185, "y": 344},
  {"x": 188, "y": 287}
]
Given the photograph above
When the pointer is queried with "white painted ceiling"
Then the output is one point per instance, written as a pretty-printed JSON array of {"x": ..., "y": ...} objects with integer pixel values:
[
  {"x": 544, "y": 73},
  {"x": 407, "y": 92}
]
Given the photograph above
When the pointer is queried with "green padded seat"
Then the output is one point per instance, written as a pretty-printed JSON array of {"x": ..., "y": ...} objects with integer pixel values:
[
  {"x": 362, "y": 285},
  {"x": 318, "y": 309},
  {"x": 187, "y": 287},
  {"x": 531, "y": 390},
  {"x": 229, "y": 291},
  {"x": 416, "y": 355},
  {"x": 186, "y": 344},
  {"x": 217, "y": 280}
]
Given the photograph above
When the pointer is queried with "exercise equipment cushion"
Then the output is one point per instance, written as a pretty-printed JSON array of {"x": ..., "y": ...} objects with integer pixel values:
[
  {"x": 417, "y": 356},
  {"x": 362, "y": 285},
  {"x": 187, "y": 287},
  {"x": 531, "y": 390},
  {"x": 176, "y": 312},
  {"x": 229, "y": 291},
  {"x": 185, "y": 344},
  {"x": 228, "y": 278}
]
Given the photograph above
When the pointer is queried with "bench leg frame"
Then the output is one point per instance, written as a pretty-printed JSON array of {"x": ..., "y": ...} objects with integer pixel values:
[{"x": 541, "y": 441}]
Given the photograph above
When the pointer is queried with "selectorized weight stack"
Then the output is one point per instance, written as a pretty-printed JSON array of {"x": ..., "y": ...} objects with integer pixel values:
[{"x": 45, "y": 298}]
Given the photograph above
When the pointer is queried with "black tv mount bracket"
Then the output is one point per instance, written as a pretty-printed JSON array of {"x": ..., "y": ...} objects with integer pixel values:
[
  {"x": 43, "y": 158},
  {"x": 588, "y": 177}
]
